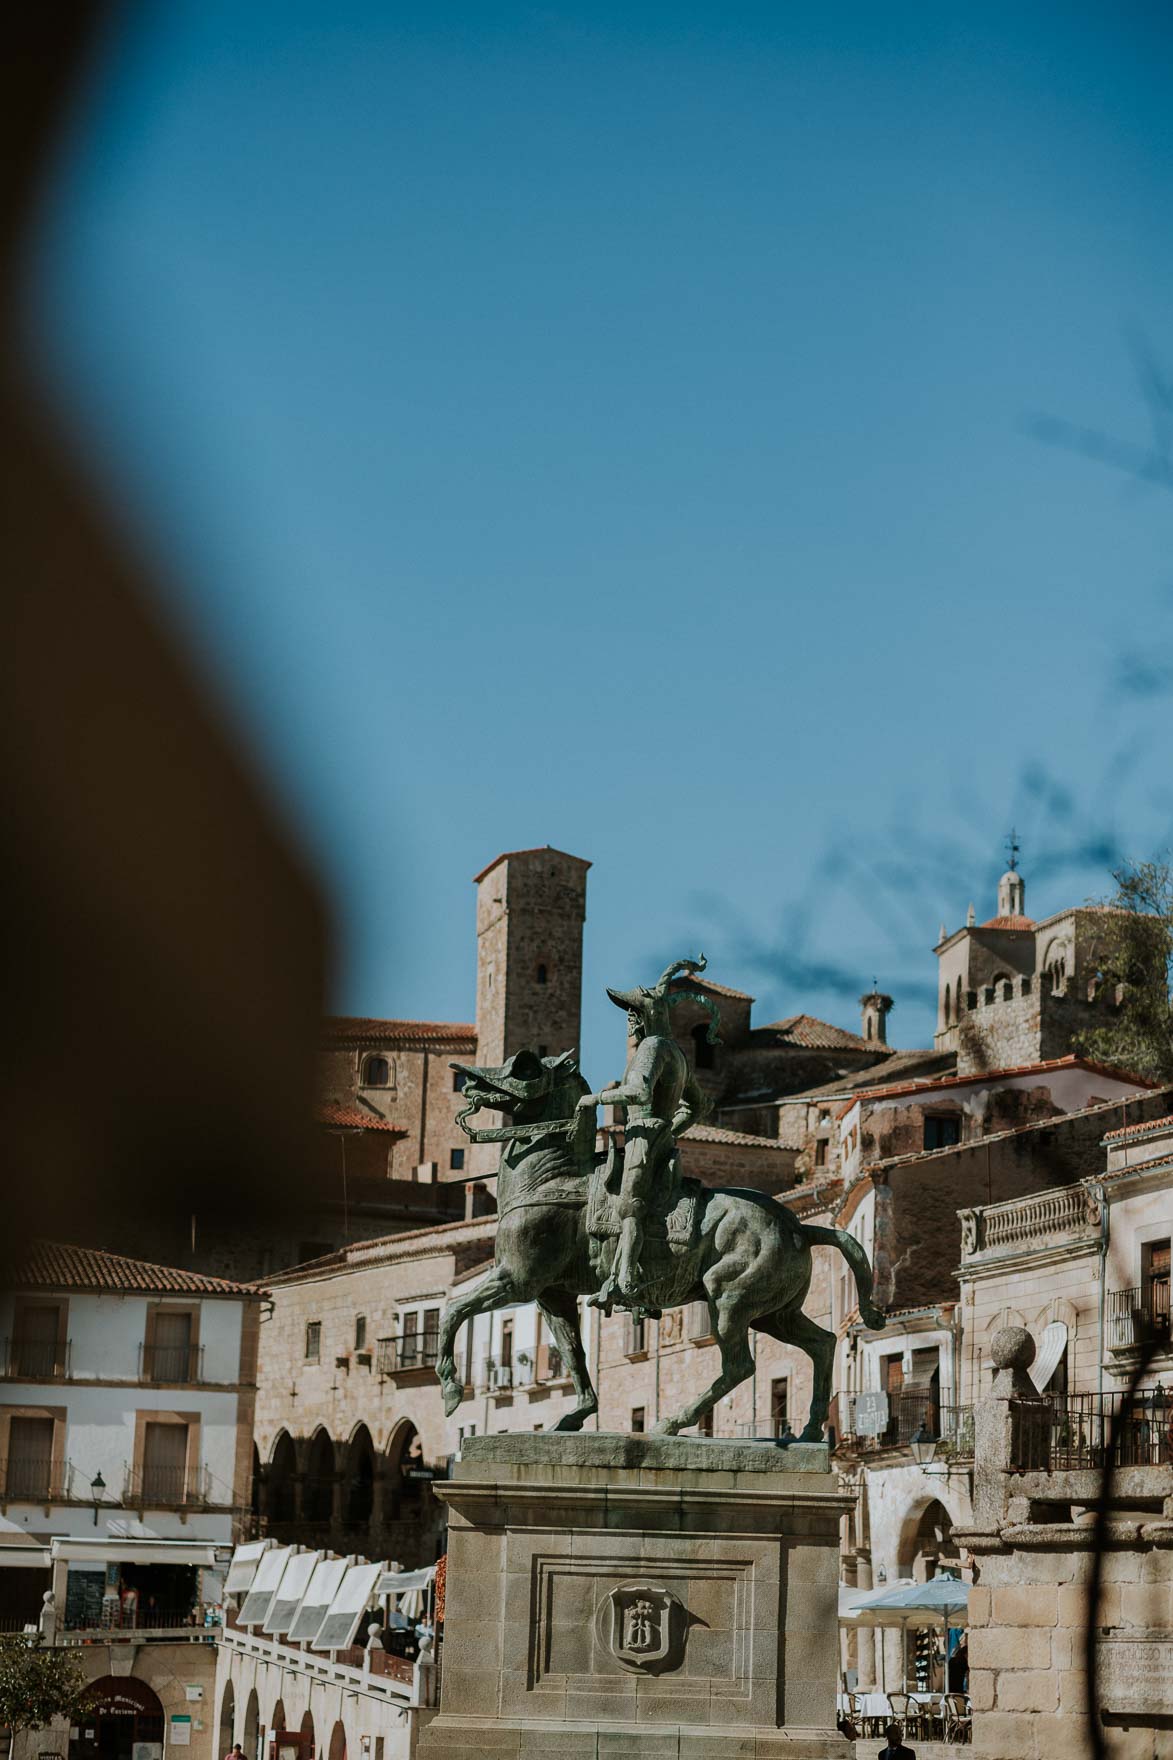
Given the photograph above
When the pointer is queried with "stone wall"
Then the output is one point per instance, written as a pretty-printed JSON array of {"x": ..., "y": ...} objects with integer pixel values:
[
  {"x": 1028, "y": 1614},
  {"x": 923, "y": 1247},
  {"x": 420, "y": 1099}
]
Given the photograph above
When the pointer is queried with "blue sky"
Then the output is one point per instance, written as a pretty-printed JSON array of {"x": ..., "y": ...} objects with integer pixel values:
[{"x": 611, "y": 427}]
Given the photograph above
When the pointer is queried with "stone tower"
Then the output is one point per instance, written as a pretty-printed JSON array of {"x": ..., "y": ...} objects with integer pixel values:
[
  {"x": 531, "y": 906},
  {"x": 874, "y": 1010}
]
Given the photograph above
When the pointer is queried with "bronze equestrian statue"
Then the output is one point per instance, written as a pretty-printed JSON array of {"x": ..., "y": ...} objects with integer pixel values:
[{"x": 571, "y": 1223}]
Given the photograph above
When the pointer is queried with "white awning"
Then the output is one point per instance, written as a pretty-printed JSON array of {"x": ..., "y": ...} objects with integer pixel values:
[
  {"x": 26, "y": 1558},
  {"x": 244, "y": 1564},
  {"x": 114, "y": 1551},
  {"x": 398, "y": 1582}
]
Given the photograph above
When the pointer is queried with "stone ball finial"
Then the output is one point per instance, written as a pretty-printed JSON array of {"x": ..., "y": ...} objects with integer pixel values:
[{"x": 1012, "y": 1347}]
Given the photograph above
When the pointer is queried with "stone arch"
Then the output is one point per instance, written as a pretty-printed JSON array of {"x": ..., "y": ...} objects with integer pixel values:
[
  {"x": 337, "y": 1742},
  {"x": 281, "y": 1479},
  {"x": 704, "y": 1052},
  {"x": 948, "y": 1004},
  {"x": 308, "y": 1750},
  {"x": 277, "y": 1721},
  {"x": 407, "y": 1496},
  {"x": 227, "y": 1718},
  {"x": 250, "y": 1739},
  {"x": 114, "y": 1701},
  {"x": 360, "y": 1477},
  {"x": 926, "y": 1545},
  {"x": 318, "y": 1490}
]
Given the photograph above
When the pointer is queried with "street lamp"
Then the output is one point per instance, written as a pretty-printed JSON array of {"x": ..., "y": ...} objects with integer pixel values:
[
  {"x": 923, "y": 1445},
  {"x": 97, "y": 1486}
]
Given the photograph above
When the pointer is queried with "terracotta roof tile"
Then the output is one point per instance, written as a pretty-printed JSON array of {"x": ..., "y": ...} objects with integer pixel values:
[
  {"x": 932, "y": 1085},
  {"x": 1010, "y": 923},
  {"x": 715, "y": 1133},
  {"x": 699, "y": 982},
  {"x": 1155, "y": 1125},
  {"x": 49, "y": 1265},
  {"x": 369, "y": 1028},
  {"x": 354, "y": 1118},
  {"x": 542, "y": 850},
  {"x": 816, "y": 1035}
]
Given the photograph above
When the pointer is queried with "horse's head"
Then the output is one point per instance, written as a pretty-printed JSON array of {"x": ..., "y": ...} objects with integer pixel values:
[{"x": 527, "y": 1087}]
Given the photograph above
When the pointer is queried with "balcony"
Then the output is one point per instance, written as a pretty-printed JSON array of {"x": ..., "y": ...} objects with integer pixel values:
[
  {"x": 36, "y": 1359},
  {"x": 171, "y": 1363},
  {"x": 913, "y": 1413},
  {"x": 1074, "y": 1432},
  {"x": 1139, "y": 1316},
  {"x": 164, "y": 1488},
  {"x": 398, "y": 1356},
  {"x": 1066, "y": 1215},
  {"x": 34, "y": 1479}
]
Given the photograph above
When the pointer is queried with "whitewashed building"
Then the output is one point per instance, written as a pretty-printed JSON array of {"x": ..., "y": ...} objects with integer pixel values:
[{"x": 127, "y": 1398}]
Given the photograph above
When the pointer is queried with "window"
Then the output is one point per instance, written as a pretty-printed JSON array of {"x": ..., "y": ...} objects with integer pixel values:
[
  {"x": 636, "y": 1336},
  {"x": 506, "y": 1344},
  {"x": 376, "y": 1072},
  {"x": 542, "y": 974},
  {"x": 164, "y": 1463},
  {"x": 313, "y": 1341},
  {"x": 360, "y": 1332},
  {"x": 30, "y": 1458},
  {"x": 948, "y": 1001},
  {"x": 35, "y": 1351},
  {"x": 704, "y": 1426},
  {"x": 821, "y": 1152},
  {"x": 699, "y": 1321},
  {"x": 409, "y": 1341},
  {"x": 779, "y": 1406},
  {"x": 1155, "y": 1256},
  {"x": 431, "y": 1334},
  {"x": 385, "y": 1356},
  {"x": 704, "y": 1053},
  {"x": 169, "y": 1354},
  {"x": 942, "y": 1130},
  {"x": 458, "y": 1080},
  {"x": 456, "y": 1160},
  {"x": 639, "y": 1416}
]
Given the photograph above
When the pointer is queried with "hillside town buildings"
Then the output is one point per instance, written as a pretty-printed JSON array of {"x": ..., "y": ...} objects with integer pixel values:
[{"x": 997, "y": 1179}]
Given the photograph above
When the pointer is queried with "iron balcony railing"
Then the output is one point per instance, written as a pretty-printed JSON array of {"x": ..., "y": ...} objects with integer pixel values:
[
  {"x": 914, "y": 1414},
  {"x": 37, "y": 1359},
  {"x": 416, "y": 1351},
  {"x": 183, "y": 1363},
  {"x": 165, "y": 1488},
  {"x": 35, "y": 1479},
  {"x": 1074, "y": 1432},
  {"x": 1137, "y": 1316}
]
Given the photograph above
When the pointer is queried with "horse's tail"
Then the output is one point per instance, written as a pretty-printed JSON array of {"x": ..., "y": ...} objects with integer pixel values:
[{"x": 860, "y": 1265}]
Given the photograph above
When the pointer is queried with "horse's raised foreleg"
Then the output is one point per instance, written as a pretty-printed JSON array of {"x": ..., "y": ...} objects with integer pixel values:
[
  {"x": 561, "y": 1310},
  {"x": 795, "y": 1327},
  {"x": 496, "y": 1291},
  {"x": 731, "y": 1317}
]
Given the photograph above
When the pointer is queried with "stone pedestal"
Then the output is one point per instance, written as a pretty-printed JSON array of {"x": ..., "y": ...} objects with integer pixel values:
[{"x": 639, "y": 1598}]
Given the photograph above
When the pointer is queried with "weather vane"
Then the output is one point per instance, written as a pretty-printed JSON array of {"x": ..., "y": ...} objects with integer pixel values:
[{"x": 1013, "y": 847}]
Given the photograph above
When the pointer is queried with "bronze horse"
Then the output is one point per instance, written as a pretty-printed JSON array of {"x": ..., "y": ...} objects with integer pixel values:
[{"x": 748, "y": 1256}]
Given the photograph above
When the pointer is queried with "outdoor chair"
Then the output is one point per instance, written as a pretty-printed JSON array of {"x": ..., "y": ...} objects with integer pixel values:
[{"x": 958, "y": 1725}]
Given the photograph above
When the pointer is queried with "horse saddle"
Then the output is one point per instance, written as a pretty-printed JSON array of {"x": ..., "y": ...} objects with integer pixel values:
[{"x": 672, "y": 1214}]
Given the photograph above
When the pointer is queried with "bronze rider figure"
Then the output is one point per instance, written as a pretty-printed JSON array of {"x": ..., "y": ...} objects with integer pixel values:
[{"x": 662, "y": 1099}]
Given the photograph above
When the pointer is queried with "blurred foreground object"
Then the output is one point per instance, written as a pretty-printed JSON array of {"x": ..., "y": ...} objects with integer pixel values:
[{"x": 164, "y": 950}]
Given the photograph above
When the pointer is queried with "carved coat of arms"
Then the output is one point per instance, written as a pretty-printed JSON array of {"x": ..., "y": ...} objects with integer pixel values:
[{"x": 641, "y": 1624}]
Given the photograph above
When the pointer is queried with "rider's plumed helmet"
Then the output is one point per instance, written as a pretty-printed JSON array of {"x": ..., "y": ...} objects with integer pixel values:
[{"x": 651, "y": 1007}]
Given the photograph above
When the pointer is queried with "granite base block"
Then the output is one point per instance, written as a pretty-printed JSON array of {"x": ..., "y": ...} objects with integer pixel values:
[{"x": 642, "y": 1596}]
